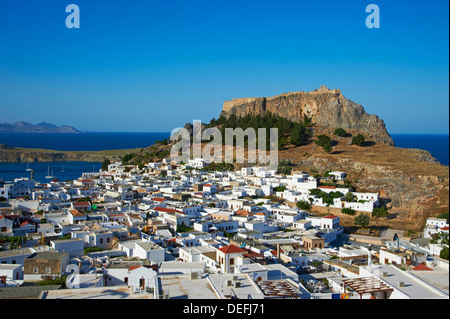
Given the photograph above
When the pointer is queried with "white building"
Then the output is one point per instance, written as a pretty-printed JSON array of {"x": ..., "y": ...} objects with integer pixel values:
[
  {"x": 11, "y": 275},
  {"x": 150, "y": 251},
  {"x": 327, "y": 222},
  {"x": 199, "y": 162},
  {"x": 434, "y": 226},
  {"x": 230, "y": 257},
  {"x": 4, "y": 192},
  {"x": 75, "y": 247}
]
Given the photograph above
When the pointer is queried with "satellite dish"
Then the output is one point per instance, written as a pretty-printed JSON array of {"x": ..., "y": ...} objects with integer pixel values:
[{"x": 65, "y": 196}]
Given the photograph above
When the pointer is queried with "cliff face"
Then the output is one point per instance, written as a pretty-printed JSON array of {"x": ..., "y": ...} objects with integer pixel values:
[{"x": 327, "y": 108}]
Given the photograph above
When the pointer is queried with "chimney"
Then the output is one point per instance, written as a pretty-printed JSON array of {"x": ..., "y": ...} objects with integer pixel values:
[{"x": 278, "y": 251}]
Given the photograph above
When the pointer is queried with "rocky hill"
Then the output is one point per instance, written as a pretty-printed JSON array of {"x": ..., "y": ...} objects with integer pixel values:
[
  {"x": 326, "y": 108},
  {"x": 411, "y": 182},
  {"x": 24, "y": 127},
  {"x": 19, "y": 155}
]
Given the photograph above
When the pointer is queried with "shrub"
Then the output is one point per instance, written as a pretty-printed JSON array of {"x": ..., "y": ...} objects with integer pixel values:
[
  {"x": 304, "y": 205},
  {"x": 358, "y": 140},
  {"x": 380, "y": 211},
  {"x": 362, "y": 220},
  {"x": 315, "y": 191},
  {"x": 444, "y": 253},
  {"x": 323, "y": 139},
  {"x": 88, "y": 250},
  {"x": 340, "y": 132},
  {"x": 349, "y": 197},
  {"x": 181, "y": 228},
  {"x": 348, "y": 211},
  {"x": 279, "y": 189},
  {"x": 327, "y": 147}
]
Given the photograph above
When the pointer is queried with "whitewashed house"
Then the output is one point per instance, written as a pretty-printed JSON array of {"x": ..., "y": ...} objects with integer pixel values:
[
  {"x": 75, "y": 247},
  {"x": 11, "y": 275}
]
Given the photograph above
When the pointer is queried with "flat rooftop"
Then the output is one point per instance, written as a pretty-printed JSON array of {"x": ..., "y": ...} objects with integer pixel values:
[
  {"x": 169, "y": 265},
  {"x": 247, "y": 286},
  {"x": 414, "y": 287},
  {"x": 439, "y": 279},
  {"x": 280, "y": 272},
  {"x": 182, "y": 287},
  {"x": 118, "y": 292},
  {"x": 16, "y": 252}
]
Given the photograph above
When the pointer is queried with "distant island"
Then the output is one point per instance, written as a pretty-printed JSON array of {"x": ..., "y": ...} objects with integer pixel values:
[{"x": 24, "y": 127}]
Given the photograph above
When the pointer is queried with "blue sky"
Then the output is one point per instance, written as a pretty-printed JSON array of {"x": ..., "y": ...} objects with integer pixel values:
[{"x": 147, "y": 65}]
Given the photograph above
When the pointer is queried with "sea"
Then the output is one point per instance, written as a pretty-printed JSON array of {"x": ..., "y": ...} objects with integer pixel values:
[
  {"x": 89, "y": 141},
  {"x": 436, "y": 144}
]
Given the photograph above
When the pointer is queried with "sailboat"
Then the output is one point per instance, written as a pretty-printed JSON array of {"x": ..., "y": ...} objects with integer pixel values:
[
  {"x": 48, "y": 173},
  {"x": 28, "y": 167},
  {"x": 63, "y": 170}
]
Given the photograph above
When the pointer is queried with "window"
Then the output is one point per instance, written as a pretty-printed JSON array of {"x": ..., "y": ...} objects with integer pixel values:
[
  {"x": 101, "y": 240},
  {"x": 108, "y": 240},
  {"x": 231, "y": 261},
  {"x": 48, "y": 270},
  {"x": 35, "y": 270}
]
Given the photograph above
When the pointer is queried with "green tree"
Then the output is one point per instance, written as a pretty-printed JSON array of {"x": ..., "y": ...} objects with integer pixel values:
[
  {"x": 304, "y": 205},
  {"x": 126, "y": 159},
  {"x": 340, "y": 132},
  {"x": 315, "y": 191},
  {"x": 444, "y": 216},
  {"x": 297, "y": 135},
  {"x": 362, "y": 220},
  {"x": 105, "y": 164},
  {"x": 440, "y": 238},
  {"x": 380, "y": 211},
  {"x": 327, "y": 147},
  {"x": 323, "y": 139},
  {"x": 349, "y": 197},
  {"x": 279, "y": 189},
  {"x": 444, "y": 253},
  {"x": 358, "y": 140}
]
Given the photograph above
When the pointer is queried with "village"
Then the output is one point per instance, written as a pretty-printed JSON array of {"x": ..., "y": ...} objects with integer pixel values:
[{"x": 166, "y": 231}]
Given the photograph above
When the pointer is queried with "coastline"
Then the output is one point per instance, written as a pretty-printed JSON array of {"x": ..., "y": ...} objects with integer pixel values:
[{"x": 24, "y": 155}]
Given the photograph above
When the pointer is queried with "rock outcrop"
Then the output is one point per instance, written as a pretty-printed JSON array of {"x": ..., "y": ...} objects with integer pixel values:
[{"x": 327, "y": 108}]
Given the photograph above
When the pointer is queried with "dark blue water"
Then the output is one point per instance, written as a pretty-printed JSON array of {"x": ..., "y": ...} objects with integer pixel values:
[
  {"x": 60, "y": 170},
  {"x": 90, "y": 141},
  {"x": 436, "y": 144}
]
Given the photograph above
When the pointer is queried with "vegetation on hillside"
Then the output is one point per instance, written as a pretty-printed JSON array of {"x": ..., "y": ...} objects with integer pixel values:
[
  {"x": 289, "y": 132},
  {"x": 358, "y": 140}
]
